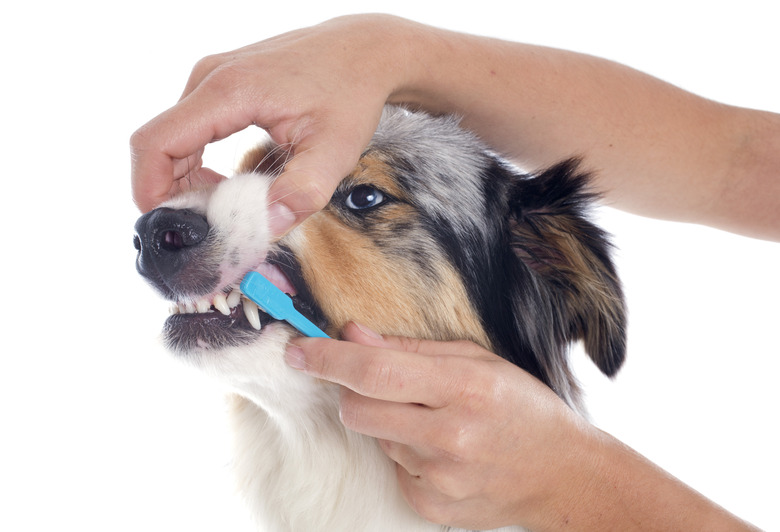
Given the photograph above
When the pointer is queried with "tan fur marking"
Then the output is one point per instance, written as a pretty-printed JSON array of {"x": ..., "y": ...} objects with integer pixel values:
[
  {"x": 354, "y": 281},
  {"x": 375, "y": 170}
]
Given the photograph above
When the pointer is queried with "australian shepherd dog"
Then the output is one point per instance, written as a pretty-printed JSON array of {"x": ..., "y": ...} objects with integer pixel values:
[{"x": 433, "y": 236}]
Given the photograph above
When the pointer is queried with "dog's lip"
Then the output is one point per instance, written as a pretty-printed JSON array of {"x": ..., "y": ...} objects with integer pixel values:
[
  {"x": 229, "y": 307},
  {"x": 230, "y": 296},
  {"x": 236, "y": 317}
]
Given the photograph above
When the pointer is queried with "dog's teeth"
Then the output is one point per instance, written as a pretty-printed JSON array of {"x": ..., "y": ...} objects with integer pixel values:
[
  {"x": 221, "y": 304},
  {"x": 252, "y": 314},
  {"x": 234, "y": 298},
  {"x": 202, "y": 306}
]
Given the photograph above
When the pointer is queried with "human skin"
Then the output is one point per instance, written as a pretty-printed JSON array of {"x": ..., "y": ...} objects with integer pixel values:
[
  {"x": 480, "y": 443},
  {"x": 655, "y": 150}
]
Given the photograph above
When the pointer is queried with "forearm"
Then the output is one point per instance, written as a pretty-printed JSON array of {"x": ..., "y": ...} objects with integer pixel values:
[
  {"x": 656, "y": 150},
  {"x": 610, "y": 487}
]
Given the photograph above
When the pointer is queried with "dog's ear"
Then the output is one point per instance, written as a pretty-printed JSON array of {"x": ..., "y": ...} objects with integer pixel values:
[
  {"x": 265, "y": 158},
  {"x": 570, "y": 256}
]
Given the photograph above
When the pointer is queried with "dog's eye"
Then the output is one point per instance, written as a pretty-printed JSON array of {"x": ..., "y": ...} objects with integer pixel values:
[{"x": 364, "y": 197}]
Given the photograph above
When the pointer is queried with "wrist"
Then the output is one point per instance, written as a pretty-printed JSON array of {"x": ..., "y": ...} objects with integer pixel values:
[
  {"x": 578, "y": 469},
  {"x": 606, "y": 485}
]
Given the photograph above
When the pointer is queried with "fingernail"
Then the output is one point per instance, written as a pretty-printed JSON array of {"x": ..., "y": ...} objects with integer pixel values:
[
  {"x": 294, "y": 357},
  {"x": 280, "y": 218},
  {"x": 368, "y": 332}
]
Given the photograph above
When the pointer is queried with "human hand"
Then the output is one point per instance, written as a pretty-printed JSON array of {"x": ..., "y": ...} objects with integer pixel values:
[
  {"x": 479, "y": 442},
  {"x": 319, "y": 92}
]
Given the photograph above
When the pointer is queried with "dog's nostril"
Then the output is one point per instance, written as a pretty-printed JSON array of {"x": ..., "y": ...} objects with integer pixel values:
[
  {"x": 167, "y": 240},
  {"x": 171, "y": 230},
  {"x": 172, "y": 241}
]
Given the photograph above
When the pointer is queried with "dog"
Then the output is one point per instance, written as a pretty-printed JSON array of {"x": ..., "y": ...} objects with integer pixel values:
[{"x": 433, "y": 235}]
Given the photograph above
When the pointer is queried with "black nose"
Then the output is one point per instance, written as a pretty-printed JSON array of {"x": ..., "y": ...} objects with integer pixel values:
[{"x": 170, "y": 243}]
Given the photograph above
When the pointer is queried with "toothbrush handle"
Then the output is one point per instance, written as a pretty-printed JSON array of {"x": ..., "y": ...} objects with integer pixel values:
[
  {"x": 297, "y": 320},
  {"x": 276, "y": 303}
]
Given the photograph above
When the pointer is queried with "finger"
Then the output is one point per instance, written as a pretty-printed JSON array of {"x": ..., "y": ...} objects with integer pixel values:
[
  {"x": 201, "y": 71},
  {"x": 188, "y": 165},
  {"x": 300, "y": 190},
  {"x": 407, "y": 424},
  {"x": 195, "y": 180},
  {"x": 309, "y": 179},
  {"x": 361, "y": 334},
  {"x": 325, "y": 150},
  {"x": 427, "y": 501},
  {"x": 209, "y": 64},
  {"x": 176, "y": 135},
  {"x": 378, "y": 373}
]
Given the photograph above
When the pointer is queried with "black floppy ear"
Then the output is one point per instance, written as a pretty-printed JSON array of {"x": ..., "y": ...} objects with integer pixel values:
[{"x": 570, "y": 257}]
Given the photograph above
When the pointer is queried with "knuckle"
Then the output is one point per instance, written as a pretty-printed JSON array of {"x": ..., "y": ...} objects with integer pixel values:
[
  {"x": 430, "y": 511},
  {"x": 139, "y": 140},
  {"x": 320, "y": 363},
  {"x": 429, "y": 506},
  {"x": 452, "y": 446},
  {"x": 464, "y": 383},
  {"x": 206, "y": 65},
  {"x": 350, "y": 410},
  {"x": 459, "y": 445},
  {"x": 446, "y": 481},
  {"x": 480, "y": 388},
  {"x": 228, "y": 74},
  {"x": 313, "y": 196},
  {"x": 225, "y": 82},
  {"x": 222, "y": 79},
  {"x": 411, "y": 345},
  {"x": 304, "y": 194},
  {"x": 375, "y": 376}
]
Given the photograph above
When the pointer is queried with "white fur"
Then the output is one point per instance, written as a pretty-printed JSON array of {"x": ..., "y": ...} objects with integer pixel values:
[{"x": 297, "y": 466}]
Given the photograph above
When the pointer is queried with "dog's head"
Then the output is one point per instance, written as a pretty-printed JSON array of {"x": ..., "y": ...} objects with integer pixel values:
[{"x": 431, "y": 236}]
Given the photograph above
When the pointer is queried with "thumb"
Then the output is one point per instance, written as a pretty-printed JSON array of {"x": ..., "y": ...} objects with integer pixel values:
[
  {"x": 303, "y": 188},
  {"x": 321, "y": 158}
]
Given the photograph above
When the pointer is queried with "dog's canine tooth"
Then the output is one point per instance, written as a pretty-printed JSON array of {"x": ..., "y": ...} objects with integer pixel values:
[
  {"x": 252, "y": 314},
  {"x": 220, "y": 303},
  {"x": 234, "y": 298}
]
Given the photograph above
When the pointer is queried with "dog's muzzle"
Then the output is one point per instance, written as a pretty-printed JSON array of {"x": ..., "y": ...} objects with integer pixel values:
[{"x": 173, "y": 253}]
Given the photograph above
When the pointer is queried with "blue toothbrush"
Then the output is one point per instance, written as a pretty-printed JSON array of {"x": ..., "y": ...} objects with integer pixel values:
[{"x": 276, "y": 303}]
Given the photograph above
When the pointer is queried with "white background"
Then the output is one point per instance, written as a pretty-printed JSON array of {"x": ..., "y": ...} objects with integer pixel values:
[{"x": 102, "y": 430}]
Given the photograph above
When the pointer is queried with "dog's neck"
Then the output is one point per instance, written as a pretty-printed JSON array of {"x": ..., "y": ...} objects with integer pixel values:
[
  {"x": 311, "y": 473},
  {"x": 296, "y": 464}
]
